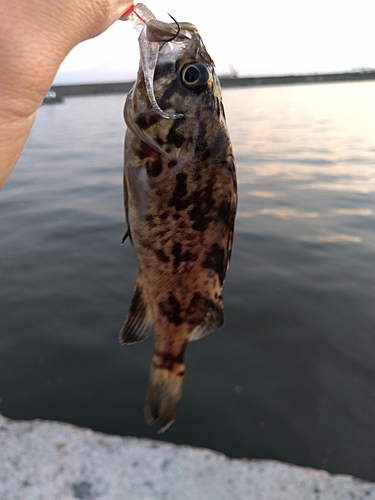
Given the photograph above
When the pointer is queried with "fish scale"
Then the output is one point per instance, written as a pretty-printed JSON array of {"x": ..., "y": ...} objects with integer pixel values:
[{"x": 180, "y": 201}]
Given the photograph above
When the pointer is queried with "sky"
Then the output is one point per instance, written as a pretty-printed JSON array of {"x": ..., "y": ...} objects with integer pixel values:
[{"x": 254, "y": 37}]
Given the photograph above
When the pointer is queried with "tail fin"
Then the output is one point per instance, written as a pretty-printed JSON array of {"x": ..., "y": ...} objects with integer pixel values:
[{"x": 164, "y": 393}]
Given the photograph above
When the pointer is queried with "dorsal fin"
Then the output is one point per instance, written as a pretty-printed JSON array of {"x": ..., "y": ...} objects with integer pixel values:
[
  {"x": 138, "y": 322},
  {"x": 212, "y": 320}
]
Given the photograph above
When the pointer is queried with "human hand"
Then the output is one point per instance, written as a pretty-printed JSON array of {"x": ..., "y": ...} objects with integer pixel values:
[{"x": 35, "y": 37}]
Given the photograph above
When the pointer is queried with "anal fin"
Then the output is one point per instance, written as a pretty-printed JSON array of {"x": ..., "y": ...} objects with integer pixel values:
[
  {"x": 213, "y": 319},
  {"x": 138, "y": 322}
]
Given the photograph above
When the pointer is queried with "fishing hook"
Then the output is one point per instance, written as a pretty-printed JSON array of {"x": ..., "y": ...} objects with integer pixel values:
[
  {"x": 176, "y": 35},
  {"x": 178, "y": 28}
]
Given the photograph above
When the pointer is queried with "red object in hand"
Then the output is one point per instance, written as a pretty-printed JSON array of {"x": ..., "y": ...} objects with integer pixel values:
[
  {"x": 127, "y": 13},
  {"x": 130, "y": 11}
]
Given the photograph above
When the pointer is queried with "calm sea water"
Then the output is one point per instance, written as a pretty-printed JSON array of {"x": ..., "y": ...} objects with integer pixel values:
[{"x": 291, "y": 376}]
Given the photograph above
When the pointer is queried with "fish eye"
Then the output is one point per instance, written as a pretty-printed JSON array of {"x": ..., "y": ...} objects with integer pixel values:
[{"x": 195, "y": 75}]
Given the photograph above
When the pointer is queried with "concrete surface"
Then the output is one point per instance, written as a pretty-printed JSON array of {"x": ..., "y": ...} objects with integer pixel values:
[{"x": 42, "y": 460}]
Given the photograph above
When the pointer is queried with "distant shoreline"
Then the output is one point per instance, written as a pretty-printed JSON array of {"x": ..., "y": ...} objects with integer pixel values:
[{"x": 226, "y": 82}]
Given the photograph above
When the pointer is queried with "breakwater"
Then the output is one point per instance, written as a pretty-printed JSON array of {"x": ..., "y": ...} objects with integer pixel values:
[
  {"x": 43, "y": 460},
  {"x": 226, "y": 82}
]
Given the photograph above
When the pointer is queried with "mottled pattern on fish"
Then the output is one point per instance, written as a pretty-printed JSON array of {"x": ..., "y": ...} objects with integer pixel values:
[{"x": 180, "y": 199}]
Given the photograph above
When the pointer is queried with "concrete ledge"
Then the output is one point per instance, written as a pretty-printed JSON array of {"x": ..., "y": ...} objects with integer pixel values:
[{"x": 42, "y": 460}]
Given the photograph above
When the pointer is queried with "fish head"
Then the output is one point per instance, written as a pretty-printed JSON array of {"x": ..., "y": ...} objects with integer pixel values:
[
  {"x": 174, "y": 68},
  {"x": 184, "y": 68},
  {"x": 176, "y": 83}
]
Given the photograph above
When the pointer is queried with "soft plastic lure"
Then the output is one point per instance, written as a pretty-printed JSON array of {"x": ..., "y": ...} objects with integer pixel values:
[{"x": 140, "y": 15}]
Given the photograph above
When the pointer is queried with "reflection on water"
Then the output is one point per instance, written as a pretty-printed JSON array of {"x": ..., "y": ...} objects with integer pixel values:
[
  {"x": 354, "y": 186},
  {"x": 311, "y": 154},
  {"x": 291, "y": 376},
  {"x": 281, "y": 213},
  {"x": 332, "y": 238}
]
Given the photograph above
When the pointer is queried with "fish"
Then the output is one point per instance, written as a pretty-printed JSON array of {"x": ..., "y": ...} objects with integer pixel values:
[{"x": 180, "y": 195}]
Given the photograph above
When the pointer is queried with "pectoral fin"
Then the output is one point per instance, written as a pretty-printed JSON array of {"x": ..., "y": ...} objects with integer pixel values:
[
  {"x": 212, "y": 320},
  {"x": 138, "y": 322}
]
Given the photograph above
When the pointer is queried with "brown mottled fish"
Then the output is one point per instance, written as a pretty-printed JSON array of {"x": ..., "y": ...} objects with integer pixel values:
[{"x": 180, "y": 201}]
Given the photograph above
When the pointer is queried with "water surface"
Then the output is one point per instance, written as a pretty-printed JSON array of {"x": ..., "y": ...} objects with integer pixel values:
[{"x": 291, "y": 376}]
